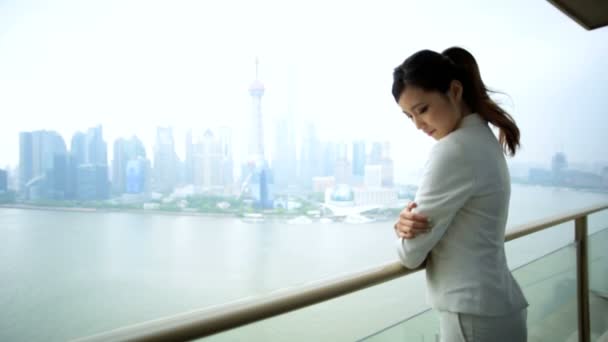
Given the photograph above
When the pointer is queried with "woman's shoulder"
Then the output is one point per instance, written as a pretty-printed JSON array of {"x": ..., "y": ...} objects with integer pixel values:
[
  {"x": 448, "y": 152},
  {"x": 469, "y": 139}
]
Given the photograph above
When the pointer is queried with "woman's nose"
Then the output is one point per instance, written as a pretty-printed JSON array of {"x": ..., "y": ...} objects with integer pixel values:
[{"x": 419, "y": 123}]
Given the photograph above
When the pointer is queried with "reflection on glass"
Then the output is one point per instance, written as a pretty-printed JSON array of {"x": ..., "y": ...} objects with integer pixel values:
[
  {"x": 598, "y": 285},
  {"x": 549, "y": 284}
]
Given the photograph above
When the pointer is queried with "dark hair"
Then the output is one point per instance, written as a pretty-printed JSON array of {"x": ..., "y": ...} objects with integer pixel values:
[{"x": 432, "y": 71}]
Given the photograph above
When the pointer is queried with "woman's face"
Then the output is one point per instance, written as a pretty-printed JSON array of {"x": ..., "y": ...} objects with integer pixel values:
[{"x": 434, "y": 113}]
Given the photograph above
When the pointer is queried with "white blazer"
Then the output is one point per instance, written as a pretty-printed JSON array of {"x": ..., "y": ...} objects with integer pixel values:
[{"x": 465, "y": 193}]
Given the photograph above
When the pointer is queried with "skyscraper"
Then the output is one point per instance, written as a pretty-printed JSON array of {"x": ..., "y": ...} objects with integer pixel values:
[
  {"x": 26, "y": 159},
  {"x": 310, "y": 165},
  {"x": 189, "y": 162},
  {"x": 284, "y": 161},
  {"x": 96, "y": 148},
  {"x": 93, "y": 182},
  {"x": 359, "y": 160},
  {"x": 77, "y": 156},
  {"x": 373, "y": 176},
  {"x": 125, "y": 150},
  {"x": 343, "y": 169},
  {"x": 256, "y": 133},
  {"x": 380, "y": 156},
  {"x": 165, "y": 160},
  {"x": 89, "y": 164},
  {"x": 330, "y": 156},
  {"x": 42, "y": 158},
  {"x": 136, "y": 175},
  {"x": 375, "y": 156},
  {"x": 58, "y": 177},
  {"x": 257, "y": 175},
  {"x": 227, "y": 162},
  {"x": 207, "y": 163},
  {"x": 388, "y": 173},
  {"x": 3, "y": 181}
]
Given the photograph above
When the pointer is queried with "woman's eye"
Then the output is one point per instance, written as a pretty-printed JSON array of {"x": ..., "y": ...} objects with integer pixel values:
[{"x": 423, "y": 109}]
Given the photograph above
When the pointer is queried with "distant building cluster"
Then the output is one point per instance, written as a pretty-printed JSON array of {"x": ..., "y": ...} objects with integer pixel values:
[
  {"x": 3, "y": 181},
  {"x": 49, "y": 170},
  {"x": 561, "y": 175}
]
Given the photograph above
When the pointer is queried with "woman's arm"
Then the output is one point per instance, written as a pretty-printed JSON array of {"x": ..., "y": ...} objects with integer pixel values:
[
  {"x": 411, "y": 224},
  {"x": 447, "y": 184}
]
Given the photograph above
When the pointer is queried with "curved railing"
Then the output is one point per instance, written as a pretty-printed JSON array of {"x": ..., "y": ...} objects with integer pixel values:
[{"x": 212, "y": 320}]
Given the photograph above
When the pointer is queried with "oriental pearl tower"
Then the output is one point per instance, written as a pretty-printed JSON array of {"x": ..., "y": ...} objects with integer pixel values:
[
  {"x": 259, "y": 176},
  {"x": 256, "y": 137}
]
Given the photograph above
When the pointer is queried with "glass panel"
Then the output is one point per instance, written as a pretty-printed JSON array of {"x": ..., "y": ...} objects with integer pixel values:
[
  {"x": 549, "y": 284},
  {"x": 347, "y": 318},
  {"x": 598, "y": 285},
  {"x": 422, "y": 327}
]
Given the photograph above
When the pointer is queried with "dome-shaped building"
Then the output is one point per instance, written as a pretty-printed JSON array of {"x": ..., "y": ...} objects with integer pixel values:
[{"x": 340, "y": 195}]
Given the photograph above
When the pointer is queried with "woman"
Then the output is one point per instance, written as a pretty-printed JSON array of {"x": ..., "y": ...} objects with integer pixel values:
[{"x": 464, "y": 194}]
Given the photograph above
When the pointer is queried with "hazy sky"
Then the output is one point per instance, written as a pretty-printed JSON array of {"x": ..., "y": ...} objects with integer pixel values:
[{"x": 67, "y": 65}]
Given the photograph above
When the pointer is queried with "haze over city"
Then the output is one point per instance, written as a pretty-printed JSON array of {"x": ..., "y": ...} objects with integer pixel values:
[{"x": 68, "y": 65}]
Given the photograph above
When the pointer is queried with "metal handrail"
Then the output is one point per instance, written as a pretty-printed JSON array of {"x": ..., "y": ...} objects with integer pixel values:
[{"x": 212, "y": 320}]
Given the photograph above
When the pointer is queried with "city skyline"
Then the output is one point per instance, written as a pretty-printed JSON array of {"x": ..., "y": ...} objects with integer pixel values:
[{"x": 70, "y": 65}]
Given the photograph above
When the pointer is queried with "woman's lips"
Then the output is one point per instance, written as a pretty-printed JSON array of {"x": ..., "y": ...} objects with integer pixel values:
[{"x": 431, "y": 132}]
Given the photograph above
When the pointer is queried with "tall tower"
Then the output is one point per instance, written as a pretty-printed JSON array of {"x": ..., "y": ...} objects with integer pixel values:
[
  {"x": 165, "y": 160},
  {"x": 256, "y": 137},
  {"x": 258, "y": 177}
]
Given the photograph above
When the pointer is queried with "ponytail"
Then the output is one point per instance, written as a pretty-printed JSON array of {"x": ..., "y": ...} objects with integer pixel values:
[{"x": 476, "y": 97}]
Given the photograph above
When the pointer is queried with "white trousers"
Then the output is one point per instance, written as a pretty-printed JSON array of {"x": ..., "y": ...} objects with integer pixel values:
[{"x": 459, "y": 327}]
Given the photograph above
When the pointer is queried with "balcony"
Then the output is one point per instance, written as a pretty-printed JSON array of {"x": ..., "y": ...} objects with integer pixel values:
[{"x": 567, "y": 289}]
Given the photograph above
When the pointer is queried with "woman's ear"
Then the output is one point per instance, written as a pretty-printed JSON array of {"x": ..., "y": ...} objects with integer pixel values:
[{"x": 456, "y": 90}]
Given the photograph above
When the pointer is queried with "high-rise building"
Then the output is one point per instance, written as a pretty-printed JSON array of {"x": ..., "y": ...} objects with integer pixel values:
[
  {"x": 125, "y": 150},
  {"x": 388, "y": 173},
  {"x": 261, "y": 184},
  {"x": 93, "y": 182},
  {"x": 96, "y": 148},
  {"x": 343, "y": 167},
  {"x": 58, "y": 177},
  {"x": 165, "y": 160},
  {"x": 227, "y": 162},
  {"x": 256, "y": 133},
  {"x": 3, "y": 181},
  {"x": 136, "y": 173},
  {"x": 380, "y": 155},
  {"x": 207, "y": 163},
  {"x": 42, "y": 158},
  {"x": 330, "y": 155},
  {"x": 284, "y": 163},
  {"x": 359, "y": 160},
  {"x": 212, "y": 161},
  {"x": 13, "y": 177},
  {"x": 310, "y": 165},
  {"x": 26, "y": 159},
  {"x": 373, "y": 176},
  {"x": 375, "y": 156},
  {"x": 86, "y": 166},
  {"x": 119, "y": 166},
  {"x": 78, "y": 148},
  {"x": 93, "y": 173},
  {"x": 77, "y": 156},
  {"x": 189, "y": 161},
  {"x": 559, "y": 163},
  {"x": 256, "y": 171}
]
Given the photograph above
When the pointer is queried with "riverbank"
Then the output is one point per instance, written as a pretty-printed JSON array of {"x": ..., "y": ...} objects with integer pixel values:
[
  {"x": 266, "y": 215},
  {"x": 113, "y": 210}
]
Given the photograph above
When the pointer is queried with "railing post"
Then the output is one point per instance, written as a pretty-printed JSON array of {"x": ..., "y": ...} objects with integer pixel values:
[{"x": 582, "y": 279}]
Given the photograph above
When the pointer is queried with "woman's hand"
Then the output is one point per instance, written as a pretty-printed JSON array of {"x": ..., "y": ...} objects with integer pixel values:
[{"x": 411, "y": 224}]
